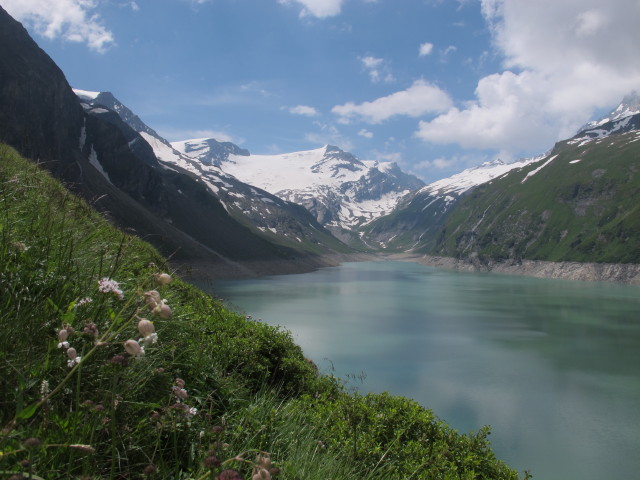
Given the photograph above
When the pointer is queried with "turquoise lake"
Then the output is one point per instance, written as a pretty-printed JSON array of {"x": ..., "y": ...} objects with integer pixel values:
[{"x": 552, "y": 366}]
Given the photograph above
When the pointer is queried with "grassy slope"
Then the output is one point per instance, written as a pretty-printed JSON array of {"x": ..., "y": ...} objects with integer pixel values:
[
  {"x": 585, "y": 211},
  {"x": 250, "y": 385}
]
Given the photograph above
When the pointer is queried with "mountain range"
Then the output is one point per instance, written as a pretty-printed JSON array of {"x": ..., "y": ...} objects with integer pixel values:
[{"x": 217, "y": 208}]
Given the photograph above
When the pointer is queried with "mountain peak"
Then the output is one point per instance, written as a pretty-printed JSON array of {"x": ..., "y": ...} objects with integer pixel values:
[{"x": 630, "y": 105}]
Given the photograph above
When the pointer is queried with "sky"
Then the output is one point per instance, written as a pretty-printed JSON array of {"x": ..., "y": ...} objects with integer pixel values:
[{"x": 435, "y": 85}]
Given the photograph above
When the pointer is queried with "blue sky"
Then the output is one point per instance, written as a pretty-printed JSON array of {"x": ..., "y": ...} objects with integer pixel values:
[{"x": 435, "y": 85}]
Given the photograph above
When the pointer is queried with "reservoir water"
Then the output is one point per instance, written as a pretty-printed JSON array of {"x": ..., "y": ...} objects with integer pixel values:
[{"x": 552, "y": 366}]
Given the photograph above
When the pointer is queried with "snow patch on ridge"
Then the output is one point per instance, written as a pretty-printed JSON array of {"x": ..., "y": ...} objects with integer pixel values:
[{"x": 533, "y": 172}]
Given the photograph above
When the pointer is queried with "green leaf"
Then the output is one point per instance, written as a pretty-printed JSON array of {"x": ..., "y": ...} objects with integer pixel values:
[{"x": 27, "y": 412}]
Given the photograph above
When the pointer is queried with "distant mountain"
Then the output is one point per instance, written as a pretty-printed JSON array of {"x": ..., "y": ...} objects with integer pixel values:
[
  {"x": 342, "y": 192},
  {"x": 578, "y": 203},
  {"x": 277, "y": 220},
  {"x": 105, "y": 160},
  {"x": 629, "y": 106},
  {"x": 414, "y": 223}
]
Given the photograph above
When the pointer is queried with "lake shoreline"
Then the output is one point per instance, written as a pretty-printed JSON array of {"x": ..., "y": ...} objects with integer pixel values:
[
  {"x": 589, "y": 272},
  {"x": 224, "y": 269}
]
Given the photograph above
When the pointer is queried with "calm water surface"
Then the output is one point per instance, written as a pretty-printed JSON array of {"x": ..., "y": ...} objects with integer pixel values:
[{"x": 553, "y": 366}]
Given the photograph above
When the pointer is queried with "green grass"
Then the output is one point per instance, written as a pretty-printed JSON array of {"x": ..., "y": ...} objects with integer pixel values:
[{"x": 116, "y": 416}]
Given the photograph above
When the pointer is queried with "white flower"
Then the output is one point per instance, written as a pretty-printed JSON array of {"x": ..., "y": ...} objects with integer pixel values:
[
  {"x": 63, "y": 345},
  {"x": 73, "y": 357},
  {"x": 145, "y": 327},
  {"x": 151, "y": 339},
  {"x": 192, "y": 411},
  {"x": 163, "y": 278},
  {"x": 133, "y": 348}
]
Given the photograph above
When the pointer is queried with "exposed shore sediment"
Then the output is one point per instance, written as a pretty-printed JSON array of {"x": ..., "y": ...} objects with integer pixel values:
[{"x": 592, "y": 272}]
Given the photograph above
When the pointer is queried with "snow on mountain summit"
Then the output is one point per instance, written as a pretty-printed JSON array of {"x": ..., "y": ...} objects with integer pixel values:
[{"x": 341, "y": 191}]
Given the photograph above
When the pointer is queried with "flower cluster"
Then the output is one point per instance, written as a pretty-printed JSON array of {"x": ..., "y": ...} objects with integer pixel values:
[
  {"x": 63, "y": 335},
  {"x": 181, "y": 395},
  {"x": 156, "y": 304},
  {"x": 106, "y": 285},
  {"x": 84, "y": 301},
  {"x": 263, "y": 470}
]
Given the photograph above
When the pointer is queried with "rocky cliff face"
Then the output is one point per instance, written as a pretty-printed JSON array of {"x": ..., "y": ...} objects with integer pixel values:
[{"x": 105, "y": 160}]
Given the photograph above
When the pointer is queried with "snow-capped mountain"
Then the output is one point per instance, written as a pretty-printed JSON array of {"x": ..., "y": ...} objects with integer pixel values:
[
  {"x": 624, "y": 118},
  {"x": 629, "y": 106},
  {"x": 422, "y": 212},
  {"x": 342, "y": 192},
  {"x": 272, "y": 216}
]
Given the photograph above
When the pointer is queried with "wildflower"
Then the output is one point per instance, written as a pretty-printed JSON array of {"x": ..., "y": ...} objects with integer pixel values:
[
  {"x": 152, "y": 299},
  {"x": 163, "y": 278},
  {"x": 91, "y": 329},
  {"x": 264, "y": 460},
  {"x": 119, "y": 360},
  {"x": 83, "y": 301},
  {"x": 260, "y": 473},
  {"x": 20, "y": 246},
  {"x": 106, "y": 285},
  {"x": 83, "y": 448},
  {"x": 148, "y": 332},
  {"x": 192, "y": 411},
  {"x": 163, "y": 310},
  {"x": 73, "y": 357},
  {"x": 156, "y": 304},
  {"x": 150, "y": 469},
  {"x": 44, "y": 389},
  {"x": 181, "y": 393},
  {"x": 32, "y": 442},
  {"x": 212, "y": 461},
  {"x": 229, "y": 475},
  {"x": 180, "y": 382},
  {"x": 133, "y": 348},
  {"x": 62, "y": 336}
]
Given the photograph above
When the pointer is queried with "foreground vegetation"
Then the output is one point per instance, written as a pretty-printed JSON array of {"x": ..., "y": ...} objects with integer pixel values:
[{"x": 108, "y": 369}]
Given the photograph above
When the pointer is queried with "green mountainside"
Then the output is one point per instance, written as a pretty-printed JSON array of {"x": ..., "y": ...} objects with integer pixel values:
[
  {"x": 213, "y": 390},
  {"x": 580, "y": 206}
]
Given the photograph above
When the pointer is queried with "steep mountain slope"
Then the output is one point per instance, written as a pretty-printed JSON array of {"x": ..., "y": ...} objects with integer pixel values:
[
  {"x": 342, "y": 192},
  {"x": 277, "y": 220},
  {"x": 578, "y": 203},
  {"x": 106, "y": 161},
  {"x": 418, "y": 217}
]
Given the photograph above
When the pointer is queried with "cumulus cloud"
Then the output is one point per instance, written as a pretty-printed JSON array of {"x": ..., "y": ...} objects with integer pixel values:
[
  {"x": 303, "y": 110},
  {"x": 317, "y": 8},
  {"x": 377, "y": 69},
  {"x": 562, "y": 60},
  {"x": 72, "y": 20},
  {"x": 425, "y": 49},
  {"x": 365, "y": 133},
  {"x": 417, "y": 100}
]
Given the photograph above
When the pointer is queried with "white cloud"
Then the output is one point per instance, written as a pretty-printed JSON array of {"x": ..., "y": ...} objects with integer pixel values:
[
  {"x": 377, "y": 69},
  {"x": 317, "y": 8},
  {"x": 72, "y": 20},
  {"x": 425, "y": 49},
  {"x": 417, "y": 100},
  {"x": 303, "y": 110},
  {"x": 329, "y": 134},
  {"x": 176, "y": 135},
  {"x": 365, "y": 133},
  {"x": 562, "y": 61}
]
